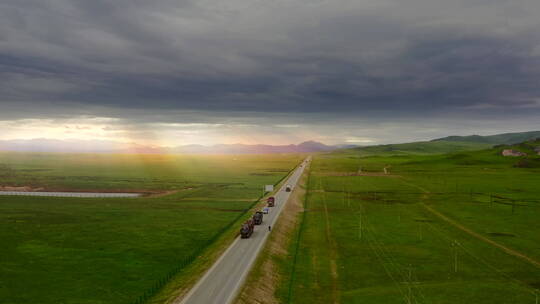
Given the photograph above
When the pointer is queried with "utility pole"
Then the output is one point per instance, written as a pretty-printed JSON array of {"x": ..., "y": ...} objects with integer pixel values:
[
  {"x": 455, "y": 245},
  {"x": 409, "y": 282},
  {"x": 360, "y": 225}
]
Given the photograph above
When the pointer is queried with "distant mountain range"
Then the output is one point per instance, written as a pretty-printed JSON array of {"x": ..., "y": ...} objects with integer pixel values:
[
  {"x": 439, "y": 145},
  {"x": 96, "y": 146},
  {"x": 505, "y": 138},
  {"x": 308, "y": 146}
]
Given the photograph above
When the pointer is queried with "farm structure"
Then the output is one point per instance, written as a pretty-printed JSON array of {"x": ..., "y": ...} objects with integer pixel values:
[{"x": 510, "y": 152}]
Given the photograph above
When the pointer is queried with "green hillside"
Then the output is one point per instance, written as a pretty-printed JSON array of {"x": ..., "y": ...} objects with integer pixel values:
[
  {"x": 451, "y": 144},
  {"x": 423, "y": 147},
  {"x": 506, "y": 138}
]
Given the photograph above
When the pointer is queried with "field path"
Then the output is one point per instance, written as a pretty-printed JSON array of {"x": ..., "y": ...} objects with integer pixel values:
[
  {"x": 222, "y": 282},
  {"x": 333, "y": 253},
  {"x": 481, "y": 237},
  {"x": 475, "y": 234}
]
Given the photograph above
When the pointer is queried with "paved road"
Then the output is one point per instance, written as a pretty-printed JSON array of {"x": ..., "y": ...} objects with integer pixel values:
[{"x": 222, "y": 281}]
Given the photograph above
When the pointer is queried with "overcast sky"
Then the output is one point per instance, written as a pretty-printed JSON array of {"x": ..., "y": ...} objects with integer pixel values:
[{"x": 273, "y": 71}]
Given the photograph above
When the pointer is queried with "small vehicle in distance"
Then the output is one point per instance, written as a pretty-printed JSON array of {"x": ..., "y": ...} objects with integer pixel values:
[
  {"x": 288, "y": 188},
  {"x": 266, "y": 210},
  {"x": 271, "y": 201}
]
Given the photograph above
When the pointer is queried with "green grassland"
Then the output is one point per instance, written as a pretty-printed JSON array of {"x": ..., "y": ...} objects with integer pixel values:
[
  {"x": 423, "y": 147},
  {"x": 371, "y": 238},
  {"x": 136, "y": 171},
  {"x": 115, "y": 250}
]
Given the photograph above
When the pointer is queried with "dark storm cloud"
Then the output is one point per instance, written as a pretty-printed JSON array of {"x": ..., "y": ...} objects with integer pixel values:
[{"x": 151, "y": 60}]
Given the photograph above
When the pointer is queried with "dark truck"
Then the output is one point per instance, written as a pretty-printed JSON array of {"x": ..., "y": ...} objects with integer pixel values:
[
  {"x": 288, "y": 188},
  {"x": 247, "y": 229},
  {"x": 258, "y": 217},
  {"x": 271, "y": 201}
]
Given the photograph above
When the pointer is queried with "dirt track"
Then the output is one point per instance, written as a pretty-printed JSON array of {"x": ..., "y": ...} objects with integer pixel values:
[
  {"x": 472, "y": 233},
  {"x": 481, "y": 237}
]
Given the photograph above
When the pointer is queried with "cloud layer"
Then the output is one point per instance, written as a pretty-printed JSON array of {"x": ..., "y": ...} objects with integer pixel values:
[{"x": 313, "y": 62}]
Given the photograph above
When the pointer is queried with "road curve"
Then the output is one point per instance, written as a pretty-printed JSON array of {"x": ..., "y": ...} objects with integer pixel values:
[{"x": 222, "y": 282}]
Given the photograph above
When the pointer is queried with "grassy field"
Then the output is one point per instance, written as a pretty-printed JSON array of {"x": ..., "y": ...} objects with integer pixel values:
[
  {"x": 423, "y": 147},
  {"x": 76, "y": 250},
  {"x": 55, "y": 171},
  {"x": 449, "y": 228}
]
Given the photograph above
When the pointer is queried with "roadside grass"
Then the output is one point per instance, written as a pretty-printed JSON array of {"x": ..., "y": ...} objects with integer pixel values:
[
  {"x": 180, "y": 283},
  {"x": 273, "y": 263},
  {"x": 105, "y": 250},
  {"x": 369, "y": 239}
]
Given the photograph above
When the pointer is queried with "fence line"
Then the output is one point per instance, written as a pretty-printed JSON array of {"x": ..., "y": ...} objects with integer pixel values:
[
  {"x": 298, "y": 239},
  {"x": 189, "y": 259},
  {"x": 494, "y": 198},
  {"x": 147, "y": 295},
  {"x": 70, "y": 194}
]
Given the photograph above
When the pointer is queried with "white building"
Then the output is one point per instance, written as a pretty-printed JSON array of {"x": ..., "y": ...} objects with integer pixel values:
[{"x": 510, "y": 152}]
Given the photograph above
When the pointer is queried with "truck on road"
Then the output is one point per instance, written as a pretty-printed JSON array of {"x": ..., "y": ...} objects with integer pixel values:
[
  {"x": 247, "y": 229},
  {"x": 271, "y": 201},
  {"x": 288, "y": 188},
  {"x": 258, "y": 218}
]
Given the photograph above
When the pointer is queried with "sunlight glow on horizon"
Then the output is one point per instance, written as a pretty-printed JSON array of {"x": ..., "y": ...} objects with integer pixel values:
[{"x": 153, "y": 134}]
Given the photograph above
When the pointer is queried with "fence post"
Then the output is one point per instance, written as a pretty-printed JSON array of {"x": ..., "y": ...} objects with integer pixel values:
[
  {"x": 188, "y": 260},
  {"x": 513, "y": 204}
]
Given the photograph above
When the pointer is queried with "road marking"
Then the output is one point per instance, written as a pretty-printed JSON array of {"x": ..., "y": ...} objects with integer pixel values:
[
  {"x": 199, "y": 283},
  {"x": 199, "y": 295},
  {"x": 295, "y": 176}
]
